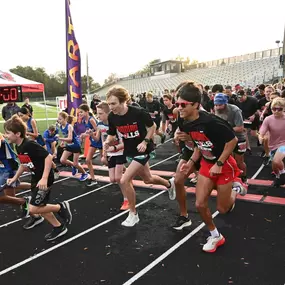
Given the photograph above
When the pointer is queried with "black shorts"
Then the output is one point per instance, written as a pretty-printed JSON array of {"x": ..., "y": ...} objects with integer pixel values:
[
  {"x": 254, "y": 125},
  {"x": 186, "y": 155},
  {"x": 240, "y": 148},
  {"x": 142, "y": 159},
  {"x": 157, "y": 122},
  {"x": 73, "y": 148},
  {"x": 116, "y": 160},
  {"x": 40, "y": 197}
]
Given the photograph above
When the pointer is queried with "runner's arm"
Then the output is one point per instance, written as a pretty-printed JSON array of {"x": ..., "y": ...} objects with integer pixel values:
[
  {"x": 228, "y": 149},
  {"x": 195, "y": 156},
  {"x": 19, "y": 172}
]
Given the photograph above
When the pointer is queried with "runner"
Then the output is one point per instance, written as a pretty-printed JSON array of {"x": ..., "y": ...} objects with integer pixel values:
[
  {"x": 71, "y": 145},
  {"x": 39, "y": 162},
  {"x": 113, "y": 156},
  {"x": 91, "y": 126},
  {"x": 32, "y": 129},
  {"x": 169, "y": 116},
  {"x": 8, "y": 168},
  {"x": 51, "y": 138},
  {"x": 215, "y": 141},
  {"x": 153, "y": 107},
  {"x": 233, "y": 115},
  {"x": 137, "y": 128},
  {"x": 274, "y": 125}
]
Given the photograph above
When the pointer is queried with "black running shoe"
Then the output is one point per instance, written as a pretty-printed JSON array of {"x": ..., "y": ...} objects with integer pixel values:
[
  {"x": 25, "y": 207},
  {"x": 181, "y": 223},
  {"x": 56, "y": 233},
  {"x": 65, "y": 212},
  {"x": 163, "y": 137},
  {"x": 32, "y": 222},
  {"x": 91, "y": 182}
]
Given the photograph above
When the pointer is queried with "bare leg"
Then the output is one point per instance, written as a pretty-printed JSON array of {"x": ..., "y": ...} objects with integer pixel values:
[{"x": 204, "y": 188}]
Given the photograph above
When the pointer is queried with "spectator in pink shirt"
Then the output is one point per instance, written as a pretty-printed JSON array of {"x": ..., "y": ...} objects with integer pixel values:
[{"x": 275, "y": 126}]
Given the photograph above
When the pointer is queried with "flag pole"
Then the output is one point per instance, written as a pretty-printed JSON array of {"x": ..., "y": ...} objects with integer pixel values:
[{"x": 88, "y": 83}]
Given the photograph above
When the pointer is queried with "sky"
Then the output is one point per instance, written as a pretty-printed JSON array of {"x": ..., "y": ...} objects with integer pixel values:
[{"x": 122, "y": 36}]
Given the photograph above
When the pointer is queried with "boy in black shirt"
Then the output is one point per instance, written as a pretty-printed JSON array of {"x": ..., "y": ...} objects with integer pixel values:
[
  {"x": 137, "y": 129},
  {"x": 39, "y": 162},
  {"x": 214, "y": 141}
]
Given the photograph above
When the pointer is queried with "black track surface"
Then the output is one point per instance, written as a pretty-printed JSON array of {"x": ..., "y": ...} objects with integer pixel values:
[{"x": 111, "y": 254}]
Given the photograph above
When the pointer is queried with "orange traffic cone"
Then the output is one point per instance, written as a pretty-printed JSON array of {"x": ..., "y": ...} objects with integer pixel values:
[{"x": 86, "y": 146}]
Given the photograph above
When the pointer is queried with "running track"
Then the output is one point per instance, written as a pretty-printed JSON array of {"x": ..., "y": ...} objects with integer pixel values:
[{"x": 98, "y": 250}]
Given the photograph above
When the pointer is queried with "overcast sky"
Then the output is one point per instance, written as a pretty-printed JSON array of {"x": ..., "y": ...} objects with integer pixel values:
[{"x": 122, "y": 36}]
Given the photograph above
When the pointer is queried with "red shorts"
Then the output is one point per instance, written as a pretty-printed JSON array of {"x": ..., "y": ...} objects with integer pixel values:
[{"x": 229, "y": 171}]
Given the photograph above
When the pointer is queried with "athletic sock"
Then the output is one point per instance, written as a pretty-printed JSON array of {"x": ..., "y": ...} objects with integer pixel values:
[
  {"x": 215, "y": 233},
  {"x": 282, "y": 171}
]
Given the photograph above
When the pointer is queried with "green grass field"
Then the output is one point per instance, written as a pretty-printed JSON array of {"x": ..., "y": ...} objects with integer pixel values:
[{"x": 39, "y": 116}]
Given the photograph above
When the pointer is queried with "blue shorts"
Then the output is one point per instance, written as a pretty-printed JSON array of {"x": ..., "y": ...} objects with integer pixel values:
[
  {"x": 4, "y": 175},
  {"x": 96, "y": 144},
  {"x": 280, "y": 149}
]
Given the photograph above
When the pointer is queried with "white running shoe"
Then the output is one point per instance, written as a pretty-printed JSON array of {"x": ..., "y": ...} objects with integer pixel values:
[
  {"x": 213, "y": 243},
  {"x": 171, "y": 189},
  {"x": 131, "y": 220},
  {"x": 194, "y": 179},
  {"x": 240, "y": 187}
]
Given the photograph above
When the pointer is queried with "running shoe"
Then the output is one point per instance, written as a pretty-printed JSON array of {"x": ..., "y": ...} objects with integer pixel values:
[
  {"x": 56, "y": 173},
  {"x": 131, "y": 220},
  {"x": 194, "y": 179},
  {"x": 171, "y": 189},
  {"x": 65, "y": 212},
  {"x": 56, "y": 233},
  {"x": 83, "y": 177},
  {"x": 181, "y": 223},
  {"x": 25, "y": 207},
  {"x": 74, "y": 170},
  {"x": 213, "y": 243},
  {"x": 91, "y": 182},
  {"x": 32, "y": 222},
  {"x": 240, "y": 187},
  {"x": 125, "y": 205}
]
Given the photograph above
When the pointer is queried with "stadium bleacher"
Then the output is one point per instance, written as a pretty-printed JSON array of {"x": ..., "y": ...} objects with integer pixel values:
[{"x": 249, "y": 69}]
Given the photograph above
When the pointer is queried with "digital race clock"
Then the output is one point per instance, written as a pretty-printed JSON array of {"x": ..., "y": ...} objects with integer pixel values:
[{"x": 11, "y": 94}]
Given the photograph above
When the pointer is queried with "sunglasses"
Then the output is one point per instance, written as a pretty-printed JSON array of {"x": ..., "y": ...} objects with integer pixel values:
[
  {"x": 183, "y": 104},
  {"x": 275, "y": 109}
]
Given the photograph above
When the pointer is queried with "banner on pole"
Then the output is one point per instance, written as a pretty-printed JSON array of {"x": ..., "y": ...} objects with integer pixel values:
[{"x": 73, "y": 66}]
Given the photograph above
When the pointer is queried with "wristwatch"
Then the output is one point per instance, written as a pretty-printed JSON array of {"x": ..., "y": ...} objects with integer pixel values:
[
  {"x": 219, "y": 163},
  {"x": 147, "y": 140}
]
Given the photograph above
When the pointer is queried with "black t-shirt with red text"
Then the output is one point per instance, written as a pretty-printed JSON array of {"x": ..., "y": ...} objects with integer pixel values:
[
  {"x": 210, "y": 134},
  {"x": 168, "y": 113},
  {"x": 33, "y": 155},
  {"x": 133, "y": 127}
]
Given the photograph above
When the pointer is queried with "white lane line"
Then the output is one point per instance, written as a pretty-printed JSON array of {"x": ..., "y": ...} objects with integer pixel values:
[
  {"x": 166, "y": 253},
  {"x": 17, "y": 265},
  {"x": 258, "y": 171},
  {"x": 89, "y": 192},
  {"x": 176, "y": 246}
]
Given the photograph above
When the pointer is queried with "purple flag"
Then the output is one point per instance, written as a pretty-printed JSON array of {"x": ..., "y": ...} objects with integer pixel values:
[{"x": 73, "y": 66}]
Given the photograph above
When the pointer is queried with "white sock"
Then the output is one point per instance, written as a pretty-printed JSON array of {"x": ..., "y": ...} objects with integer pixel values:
[
  {"x": 215, "y": 233},
  {"x": 125, "y": 199},
  {"x": 282, "y": 171}
]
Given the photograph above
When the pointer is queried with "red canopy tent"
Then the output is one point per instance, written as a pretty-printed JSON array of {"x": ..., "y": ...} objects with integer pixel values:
[{"x": 10, "y": 79}]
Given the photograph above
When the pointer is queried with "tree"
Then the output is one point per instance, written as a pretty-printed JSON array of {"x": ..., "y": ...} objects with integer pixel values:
[
  {"x": 92, "y": 85},
  {"x": 111, "y": 79}
]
